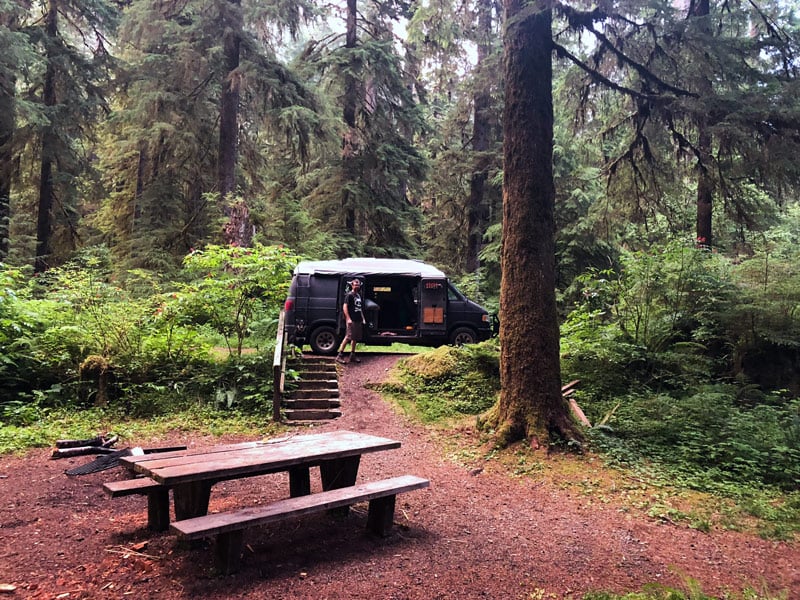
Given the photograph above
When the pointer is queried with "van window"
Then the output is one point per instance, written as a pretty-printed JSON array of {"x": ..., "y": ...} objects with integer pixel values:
[
  {"x": 453, "y": 293},
  {"x": 326, "y": 287}
]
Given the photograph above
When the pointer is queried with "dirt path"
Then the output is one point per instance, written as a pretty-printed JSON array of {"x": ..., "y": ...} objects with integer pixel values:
[{"x": 472, "y": 534}]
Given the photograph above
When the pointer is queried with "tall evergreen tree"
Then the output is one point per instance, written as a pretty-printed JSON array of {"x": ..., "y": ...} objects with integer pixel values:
[
  {"x": 238, "y": 229},
  {"x": 365, "y": 198},
  {"x": 69, "y": 89},
  {"x": 462, "y": 49},
  {"x": 16, "y": 53},
  {"x": 205, "y": 95},
  {"x": 711, "y": 84},
  {"x": 482, "y": 142},
  {"x": 530, "y": 404}
]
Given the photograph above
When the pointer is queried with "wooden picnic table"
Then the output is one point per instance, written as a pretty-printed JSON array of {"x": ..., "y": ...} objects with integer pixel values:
[{"x": 192, "y": 473}]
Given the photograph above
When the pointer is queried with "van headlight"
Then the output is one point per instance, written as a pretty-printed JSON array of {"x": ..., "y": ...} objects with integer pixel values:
[{"x": 485, "y": 318}]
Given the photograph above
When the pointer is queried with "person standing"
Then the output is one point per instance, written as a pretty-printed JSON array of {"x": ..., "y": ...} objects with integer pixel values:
[{"x": 354, "y": 319}]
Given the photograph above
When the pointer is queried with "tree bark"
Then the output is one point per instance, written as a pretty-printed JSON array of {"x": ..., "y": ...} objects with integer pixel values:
[
  {"x": 238, "y": 229},
  {"x": 705, "y": 190},
  {"x": 44, "y": 220},
  {"x": 350, "y": 141},
  {"x": 477, "y": 213},
  {"x": 700, "y": 9},
  {"x": 7, "y": 122},
  {"x": 530, "y": 404}
]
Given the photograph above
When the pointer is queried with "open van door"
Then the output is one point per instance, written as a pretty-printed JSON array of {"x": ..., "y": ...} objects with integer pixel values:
[{"x": 432, "y": 306}]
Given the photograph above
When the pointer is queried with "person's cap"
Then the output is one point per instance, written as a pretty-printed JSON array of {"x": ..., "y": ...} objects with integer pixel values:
[{"x": 355, "y": 282}]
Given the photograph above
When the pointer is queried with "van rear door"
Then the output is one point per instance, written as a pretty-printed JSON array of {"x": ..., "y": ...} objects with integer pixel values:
[{"x": 433, "y": 306}]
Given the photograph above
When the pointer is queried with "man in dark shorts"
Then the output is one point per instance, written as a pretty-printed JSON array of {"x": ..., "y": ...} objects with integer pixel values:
[{"x": 354, "y": 319}]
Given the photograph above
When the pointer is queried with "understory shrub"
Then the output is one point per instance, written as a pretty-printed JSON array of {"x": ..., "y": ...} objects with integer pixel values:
[
  {"x": 449, "y": 381},
  {"x": 80, "y": 336},
  {"x": 709, "y": 438}
]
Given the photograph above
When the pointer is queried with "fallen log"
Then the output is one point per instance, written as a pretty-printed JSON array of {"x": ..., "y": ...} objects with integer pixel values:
[
  {"x": 80, "y": 451},
  {"x": 578, "y": 413},
  {"x": 95, "y": 441},
  {"x": 567, "y": 391},
  {"x": 99, "y": 440}
]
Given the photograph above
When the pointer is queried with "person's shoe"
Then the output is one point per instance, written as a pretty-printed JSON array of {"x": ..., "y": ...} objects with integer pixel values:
[
  {"x": 341, "y": 360},
  {"x": 354, "y": 358}
]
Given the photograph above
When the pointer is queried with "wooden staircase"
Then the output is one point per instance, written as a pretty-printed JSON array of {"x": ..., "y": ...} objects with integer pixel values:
[{"x": 315, "y": 395}]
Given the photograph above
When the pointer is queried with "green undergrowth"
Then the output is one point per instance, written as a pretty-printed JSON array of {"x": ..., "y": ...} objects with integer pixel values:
[
  {"x": 445, "y": 383},
  {"x": 194, "y": 419},
  {"x": 707, "y": 458},
  {"x": 690, "y": 591}
]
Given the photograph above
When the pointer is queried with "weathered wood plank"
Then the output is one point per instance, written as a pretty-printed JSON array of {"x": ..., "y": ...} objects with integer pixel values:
[
  {"x": 293, "y": 507},
  {"x": 130, "y": 487},
  {"x": 263, "y": 458},
  {"x": 157, "y": 499}
]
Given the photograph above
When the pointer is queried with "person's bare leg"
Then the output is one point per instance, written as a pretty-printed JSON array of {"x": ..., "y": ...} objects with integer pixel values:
[{"x": 353, "y": 357}]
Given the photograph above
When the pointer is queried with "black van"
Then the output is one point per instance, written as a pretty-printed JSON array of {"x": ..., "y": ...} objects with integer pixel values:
[{"x": 404, "y": 301}]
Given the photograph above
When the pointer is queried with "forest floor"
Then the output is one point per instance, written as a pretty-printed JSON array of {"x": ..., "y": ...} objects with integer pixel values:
[{"x": 482, "y": 530}]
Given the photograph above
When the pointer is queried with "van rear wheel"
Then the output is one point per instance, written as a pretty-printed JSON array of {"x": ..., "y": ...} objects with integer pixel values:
[
  {"x": 323, "y": 340},
  {"x": 462, "y": 335}
]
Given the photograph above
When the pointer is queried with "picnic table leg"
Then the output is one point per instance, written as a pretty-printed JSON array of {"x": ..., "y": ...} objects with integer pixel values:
[
  {"x": 338, "y": 473},
  {"x": 299, "y": 481},
  {"x": 191, "y": 499},
  {"x": 380, "y": 517},
  {"x": 229, "y": 551},
  {"x": 158, "y": 509}
]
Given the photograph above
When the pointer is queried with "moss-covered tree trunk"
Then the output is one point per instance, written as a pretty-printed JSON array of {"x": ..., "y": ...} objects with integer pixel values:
[
  {"x": 44, "y": 222},
  {"x": 530, "y": 404},
  {"x": 700, "y": 10},
  {"x": 7, "y": 124},
  {"x": 239, "y": 229}
]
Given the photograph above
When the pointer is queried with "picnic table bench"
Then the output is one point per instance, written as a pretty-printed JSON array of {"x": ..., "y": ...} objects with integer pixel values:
[{"x": 228, "y": 527}]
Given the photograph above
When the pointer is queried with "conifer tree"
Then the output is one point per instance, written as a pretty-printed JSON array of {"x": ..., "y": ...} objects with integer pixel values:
[
  {"x": 366, "y": 198},
  {"x": 460, "y": 199},
  {"x": 530, "y": 405},
  {"x": 206, "y": 92},
  {"x": 16, "y": 52},
  {"x": 68, "y": 91},
  {"x": 709, "y": 90}
]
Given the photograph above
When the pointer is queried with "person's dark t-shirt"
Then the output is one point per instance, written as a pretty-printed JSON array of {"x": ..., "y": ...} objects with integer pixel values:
[{"x": 353, "y": 301}]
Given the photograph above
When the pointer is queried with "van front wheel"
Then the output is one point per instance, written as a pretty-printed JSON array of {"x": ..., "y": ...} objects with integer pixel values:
[
  {"x": 462, "y": 335},
  {"x": 323, "y": 340}
]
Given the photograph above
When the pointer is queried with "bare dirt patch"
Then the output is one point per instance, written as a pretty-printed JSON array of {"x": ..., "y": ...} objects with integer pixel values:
[{"x": 475, "y": 533}]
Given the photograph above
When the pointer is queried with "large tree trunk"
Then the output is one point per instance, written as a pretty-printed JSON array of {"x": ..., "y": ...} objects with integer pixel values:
[
  {"x": 705, "y": 190},
  {"x": 530, "y": 405},
  {"x": 351, "y": 140},
  {"x": 477, "y": 213},
  {"x": 6, "y": 159},
  {"x": 700, "y": 9},
  {"x": 238, "y": 230},
  {"x": 44, "y": 221}
]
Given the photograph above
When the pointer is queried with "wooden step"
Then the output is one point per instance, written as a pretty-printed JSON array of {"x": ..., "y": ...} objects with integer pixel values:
[
  {"x": 316, "y": 361},
  {"x": 323, "y": 403},
  {"x": 317, "y": 375},
  {"x": 317, "y": 384},
  {"x": 304, "y": 394},
  {"x": 312, "y": 414}
]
